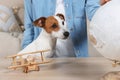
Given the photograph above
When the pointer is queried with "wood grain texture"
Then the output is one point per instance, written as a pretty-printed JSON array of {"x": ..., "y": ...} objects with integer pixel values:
[{"x": 92, "y": 68}]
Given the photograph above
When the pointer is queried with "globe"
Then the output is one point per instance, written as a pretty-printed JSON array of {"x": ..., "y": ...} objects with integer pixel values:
[{"x": 104, "y": 30}]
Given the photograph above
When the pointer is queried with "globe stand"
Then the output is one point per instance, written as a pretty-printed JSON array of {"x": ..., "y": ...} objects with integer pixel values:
[
  {"x": 115, "y": 63},
  {"x": 114, "y": 75}
]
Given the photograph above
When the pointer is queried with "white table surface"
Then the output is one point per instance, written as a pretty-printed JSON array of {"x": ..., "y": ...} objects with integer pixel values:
[{"x": 92, "y": 68}]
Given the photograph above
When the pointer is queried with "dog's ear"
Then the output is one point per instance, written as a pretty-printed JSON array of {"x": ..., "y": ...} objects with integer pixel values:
[
  {"x": 61, "y": 16},
  {"x": 40, "y": 22}
]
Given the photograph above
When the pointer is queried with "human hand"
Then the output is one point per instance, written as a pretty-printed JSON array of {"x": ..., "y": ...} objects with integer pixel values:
[{"x": 102, "y": 2}]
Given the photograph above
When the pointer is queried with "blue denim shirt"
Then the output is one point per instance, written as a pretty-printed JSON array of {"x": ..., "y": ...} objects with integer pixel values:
[{"x": 76, "y": 11}]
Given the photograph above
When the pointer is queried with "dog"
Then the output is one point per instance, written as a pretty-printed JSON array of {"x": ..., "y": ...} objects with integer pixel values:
[{"x": 53, "y": 27}]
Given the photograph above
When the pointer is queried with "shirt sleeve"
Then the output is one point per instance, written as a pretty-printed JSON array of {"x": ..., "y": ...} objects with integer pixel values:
[
  {"x": 91, "y": 7},
  {"x": 29, "y": 29}
]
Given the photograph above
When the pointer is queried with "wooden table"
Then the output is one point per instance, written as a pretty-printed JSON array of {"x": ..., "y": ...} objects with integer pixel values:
[{"x": 91, "y": 68}]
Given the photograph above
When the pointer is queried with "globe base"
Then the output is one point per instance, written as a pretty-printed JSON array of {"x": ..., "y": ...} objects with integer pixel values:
[{"x": 111, "y": 76}]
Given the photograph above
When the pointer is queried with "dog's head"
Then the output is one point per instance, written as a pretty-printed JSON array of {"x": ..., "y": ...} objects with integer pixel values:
[{"x": 54, "y": 25}]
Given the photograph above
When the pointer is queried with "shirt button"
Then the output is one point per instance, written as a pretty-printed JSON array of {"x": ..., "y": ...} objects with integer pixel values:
[
  {"x": 66, "y": 5},
  {"x": 69, "y": 17},
  {"x": 71, "y": 29},
  {"x": 52, "y": 13}
]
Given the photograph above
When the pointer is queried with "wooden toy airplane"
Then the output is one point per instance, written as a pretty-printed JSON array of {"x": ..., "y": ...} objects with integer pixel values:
[{"x": 29, "y": 63}]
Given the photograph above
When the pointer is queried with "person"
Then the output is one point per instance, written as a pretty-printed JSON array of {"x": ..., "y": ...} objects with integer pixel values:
[{"x": 75, "y": 12}]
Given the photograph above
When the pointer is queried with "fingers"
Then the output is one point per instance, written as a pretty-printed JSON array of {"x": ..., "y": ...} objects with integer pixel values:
[{"x": 102, "y": 2}]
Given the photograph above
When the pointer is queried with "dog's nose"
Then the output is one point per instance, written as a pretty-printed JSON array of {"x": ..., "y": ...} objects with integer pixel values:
[{"x": 66, "y": 34}]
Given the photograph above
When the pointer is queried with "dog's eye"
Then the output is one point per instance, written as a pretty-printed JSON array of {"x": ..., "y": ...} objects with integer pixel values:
[
  {"x": 54, "y": 26},
  {"x": 63, "y": 22}
]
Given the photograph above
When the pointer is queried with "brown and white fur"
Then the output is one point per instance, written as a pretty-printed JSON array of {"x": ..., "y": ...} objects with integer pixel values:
[{"x": 53, "y": 27}]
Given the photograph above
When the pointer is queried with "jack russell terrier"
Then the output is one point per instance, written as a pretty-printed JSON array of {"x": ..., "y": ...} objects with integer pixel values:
[{"x": 53, "y": 27}]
